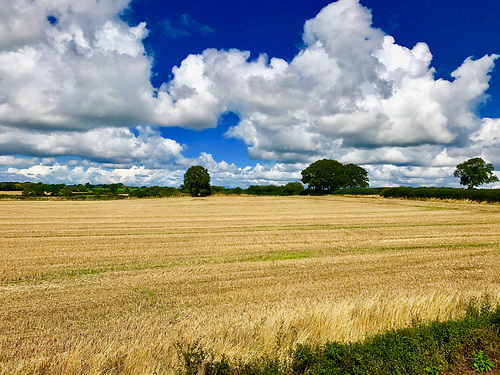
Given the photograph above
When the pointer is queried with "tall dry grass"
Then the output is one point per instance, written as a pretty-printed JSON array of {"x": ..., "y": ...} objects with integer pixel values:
[{"x": 113, "y": 287}]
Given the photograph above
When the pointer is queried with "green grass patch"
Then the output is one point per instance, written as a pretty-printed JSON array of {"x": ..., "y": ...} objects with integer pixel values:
[
  {"x": 148, "y": 293},
  {"x": 279, "y": 256},
  {"x": 81, "y": 272},
  {"x": 434, "y": 208}
]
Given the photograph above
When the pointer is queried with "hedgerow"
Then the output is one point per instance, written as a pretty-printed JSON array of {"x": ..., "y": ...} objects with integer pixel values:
[{"x": 482, "y": 195}]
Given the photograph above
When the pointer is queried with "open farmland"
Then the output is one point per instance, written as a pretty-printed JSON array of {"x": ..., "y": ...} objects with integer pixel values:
[{"x": 100, "y": 286}]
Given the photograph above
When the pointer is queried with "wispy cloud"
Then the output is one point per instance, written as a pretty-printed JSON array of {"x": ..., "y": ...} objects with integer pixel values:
[
  {"x": 184, "y": 27},
  {"x": 173, "y": 32}
]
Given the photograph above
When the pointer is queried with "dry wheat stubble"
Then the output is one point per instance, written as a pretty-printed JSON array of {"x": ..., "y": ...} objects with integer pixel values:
[{"x": 88, "y": 285}]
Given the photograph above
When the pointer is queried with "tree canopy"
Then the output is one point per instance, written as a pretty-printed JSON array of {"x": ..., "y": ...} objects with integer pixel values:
[
  {"x": 197, "y": 181},
  {"x": 329, "y": 175},
  {"x": 355, "y": 176},
  {"x": 475, "y": 172}
]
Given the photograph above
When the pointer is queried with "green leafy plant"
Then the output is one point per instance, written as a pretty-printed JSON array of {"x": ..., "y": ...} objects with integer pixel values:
[
  {"x": 431, "y": 370},
  {"x": 481, "y": 362}
]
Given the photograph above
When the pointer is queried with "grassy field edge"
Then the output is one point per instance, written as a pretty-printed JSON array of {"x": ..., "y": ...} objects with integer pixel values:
[{"x": 463, "y": 346}]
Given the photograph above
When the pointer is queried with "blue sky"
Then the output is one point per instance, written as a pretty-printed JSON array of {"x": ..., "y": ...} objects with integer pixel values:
[{"x": 137, "y": 91}]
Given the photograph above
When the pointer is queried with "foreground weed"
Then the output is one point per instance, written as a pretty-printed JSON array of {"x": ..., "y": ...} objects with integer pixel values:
[
  {"x": 481, "y": 362},
  {"x": 192, "y": 355},
  {"x": 431, "y": 370}
]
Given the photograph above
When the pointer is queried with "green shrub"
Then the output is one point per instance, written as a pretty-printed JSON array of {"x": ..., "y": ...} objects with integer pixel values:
[
  {"x": 481, "y": 362},
  {"x": 302, "y": 358}
]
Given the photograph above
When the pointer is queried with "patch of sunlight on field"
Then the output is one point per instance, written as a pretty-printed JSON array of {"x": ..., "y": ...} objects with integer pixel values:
[{"x": 101, "y": 286}]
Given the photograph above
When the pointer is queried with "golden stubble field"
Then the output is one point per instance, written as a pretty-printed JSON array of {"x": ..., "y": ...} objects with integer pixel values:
[{"x": 104, "y": 287}]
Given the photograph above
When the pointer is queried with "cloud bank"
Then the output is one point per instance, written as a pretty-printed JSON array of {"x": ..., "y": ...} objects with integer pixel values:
[{"x": 75, "y": 84}]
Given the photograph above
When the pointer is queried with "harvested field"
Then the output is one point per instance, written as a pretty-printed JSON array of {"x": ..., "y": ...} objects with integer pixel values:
[{"x": 94, "y": 287}]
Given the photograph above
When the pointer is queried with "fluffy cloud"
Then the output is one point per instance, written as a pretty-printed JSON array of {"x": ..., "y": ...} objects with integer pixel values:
[
  {"x": 80, "y": 174},
  {"x": 78, "y": 66},
  {"x": 25, "y": 21},
  {"x": 110, "y": 145},
  {"x": 85, "y": 69},
  {"x": 486, "y": 140},
  {"x": 333, "y": 95}
]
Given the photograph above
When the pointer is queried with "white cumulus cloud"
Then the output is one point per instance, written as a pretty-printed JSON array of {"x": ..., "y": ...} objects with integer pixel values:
[{"x": 111, "y": 145}]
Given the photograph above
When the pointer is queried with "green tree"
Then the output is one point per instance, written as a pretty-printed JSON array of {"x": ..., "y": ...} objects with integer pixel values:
[
  {"x": 475, "y": 172},
  {"x": 33, "y": 190},
  {"x": 237, "y": 190},
  {"x": 329, "y": 175},
  {"x": 355, "y": 176},
  {"x": 66, "y": 191},
  {"x": 197, "y": 181},
  {"x": 323, "y": 175},
  {"x": 293, "y": 188},
  {"x": 7, "y": 186}
]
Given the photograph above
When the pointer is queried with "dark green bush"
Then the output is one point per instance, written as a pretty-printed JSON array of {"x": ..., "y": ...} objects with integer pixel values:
[{"x": 302, "y": 358}]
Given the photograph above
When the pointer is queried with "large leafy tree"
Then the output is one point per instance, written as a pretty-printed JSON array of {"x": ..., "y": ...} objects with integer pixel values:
[
  {"x": 197, "y": 181},
  {"x": 355, "y": 176},
  {"x": 475, "y": 172},
  {"x": 329, "y": 175},
  {"x": 323, "y": 175}
]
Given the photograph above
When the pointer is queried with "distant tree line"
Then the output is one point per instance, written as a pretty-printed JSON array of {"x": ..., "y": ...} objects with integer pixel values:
[
  {"x": 118, "y": 191},
  {"x": 322, "y": 177},
  {"x": 87, "y": 191},
  {"x": 478, "y": 195}
]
